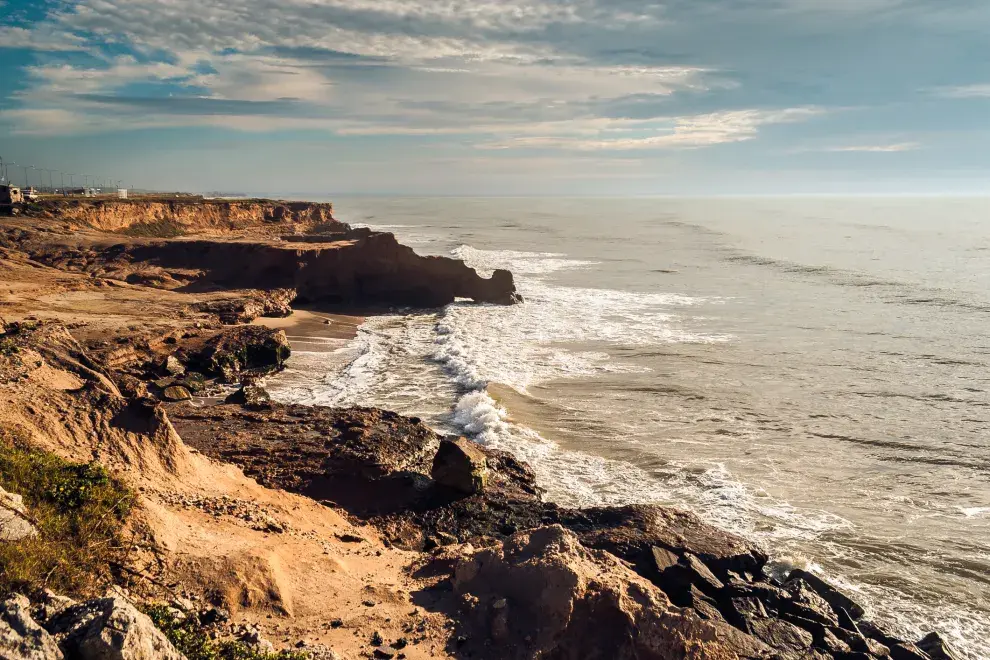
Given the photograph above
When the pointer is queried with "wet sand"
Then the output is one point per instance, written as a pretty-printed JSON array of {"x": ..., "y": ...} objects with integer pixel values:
[{"x": 313, "y": 331}]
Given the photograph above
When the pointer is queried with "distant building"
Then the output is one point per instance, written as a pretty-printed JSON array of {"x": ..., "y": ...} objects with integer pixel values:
[{"x": 121, "y": 193}]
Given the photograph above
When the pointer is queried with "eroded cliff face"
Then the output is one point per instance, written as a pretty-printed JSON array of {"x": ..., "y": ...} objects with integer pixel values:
[
  {"x": 357, "y": 268},
  {"x": 192, "y": 214}
]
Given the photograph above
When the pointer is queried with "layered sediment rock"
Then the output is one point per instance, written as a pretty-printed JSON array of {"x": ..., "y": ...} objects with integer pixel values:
[
  {"x": 192, "y": 213},
  {"x": 363, "y": 270},
  {"x": 358, "y": 269}
]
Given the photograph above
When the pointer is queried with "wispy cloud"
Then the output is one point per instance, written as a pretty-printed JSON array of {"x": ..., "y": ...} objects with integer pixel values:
[
  {"x": 981, "y": 90},
  {"x": 878, "y": 148},
  {"x": 690, "y": 132}
]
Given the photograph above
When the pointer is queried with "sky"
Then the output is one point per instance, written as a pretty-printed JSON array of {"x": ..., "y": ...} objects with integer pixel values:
[{"x": 501, "y": 97}]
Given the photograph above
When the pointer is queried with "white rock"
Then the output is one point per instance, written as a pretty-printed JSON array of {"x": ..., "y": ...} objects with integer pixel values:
[
  {"x": 14, "y": 525},
  {"x": 20, "y": 637},
  {"x": 111, "y": 629}
]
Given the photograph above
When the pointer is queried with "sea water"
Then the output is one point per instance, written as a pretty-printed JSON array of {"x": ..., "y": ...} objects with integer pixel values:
[{"x": 813, "y": 374}]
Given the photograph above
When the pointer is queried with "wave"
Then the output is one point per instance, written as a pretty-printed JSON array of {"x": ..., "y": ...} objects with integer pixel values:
[{"x": 894, "y": 291}]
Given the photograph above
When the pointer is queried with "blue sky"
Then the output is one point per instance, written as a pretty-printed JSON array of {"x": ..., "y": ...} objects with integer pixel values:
[{"x": 614, "y": 97}]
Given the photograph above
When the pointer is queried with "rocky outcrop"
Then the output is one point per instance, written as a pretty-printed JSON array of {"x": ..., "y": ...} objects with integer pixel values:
[
  {"x": 339, "y": 266},
  {"x": 110, "y": 629},
  {"x": 232, "y": 311},
  {"x": 461, "y": 466},
  {"x": 21, "y": 638},
  {"x": 236, "y": 351},
  {"x": 347, "y": 269},
  {"x": 375, "y": 464},
  {"x": 192, "y": 213},
  {"x": 541, "y": 594},
  {"x": 14, "y": 523}
]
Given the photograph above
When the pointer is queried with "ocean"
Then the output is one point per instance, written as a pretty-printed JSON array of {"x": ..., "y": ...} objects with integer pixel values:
[{"x": 810, "y": 373}]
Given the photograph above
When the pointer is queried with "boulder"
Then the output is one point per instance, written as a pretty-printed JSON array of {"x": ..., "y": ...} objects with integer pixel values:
[
  {"x": 251, "y": 396},
  {"x": 244, "y": 349},
  {"x": 277, "y": 303},
  {"x": 172, "y": 367},
  {"x": 937, "y": 648},
  {"x": 807, "y": 603},
  {"x": 835, "y": 598},
  {"x": 541, "y": 594},
  {"x": 193, "y": 381},
  {"x": 461, "y": 466},
  {"x": 14, "y": 524},
  {"x": 111, "y": 629},
  {"x": 176, "y": 393},
  {"x": 21, "y": 638},
  {"x": 907, "y": 651}
]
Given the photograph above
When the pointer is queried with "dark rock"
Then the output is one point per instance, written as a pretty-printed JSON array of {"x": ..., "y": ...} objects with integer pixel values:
[
  {"x": 907, "y": 651},
  {"x": 176, "y": 393},
  {"x": 701, "y": 576},
  {"x": 663, "y": 559},
  {"x": 832, "y": 596},
  {"x": 937, "y": 648},
  {"x": 807, "y": 603},
  {"x": 860, "y": 643},
  {"x": 193, "y": 381},
  {"x": 243, "y": 349},
  {"x": 213, "y": 616},
  {"x": 779, "y": 634},
  {"x": 384, "y": 654},
  {"x": 253, "y": 397},
  {"x": 461, "y": 466},
  {"x": 703, "y": 605},
  {"x": 847, "y": 621}
]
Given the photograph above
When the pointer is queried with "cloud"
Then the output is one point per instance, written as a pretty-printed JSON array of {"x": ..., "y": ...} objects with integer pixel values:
[
  {"x": 878, "y": 148},
  {"x": 690, "y": 132},
  {"x": 977, "y": 91},
  {"x": 42, "y": 38}
]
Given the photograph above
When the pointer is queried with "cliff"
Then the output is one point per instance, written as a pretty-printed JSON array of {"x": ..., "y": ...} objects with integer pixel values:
[
  {"x": 247, "y": 245},
  {"x": 185, "y": 213}
]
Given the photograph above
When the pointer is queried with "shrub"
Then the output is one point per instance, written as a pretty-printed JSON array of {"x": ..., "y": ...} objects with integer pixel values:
[
  {"x": 188, "y": 637},
  {"x": 79, "y": 510},
  {"x": 8, "y": 346}
]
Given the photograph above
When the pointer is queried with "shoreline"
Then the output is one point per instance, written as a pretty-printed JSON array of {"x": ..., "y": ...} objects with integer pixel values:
[{"x": 294, "y": 518}]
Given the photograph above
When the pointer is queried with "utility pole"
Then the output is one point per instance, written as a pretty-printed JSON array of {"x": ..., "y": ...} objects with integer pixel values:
[{"x": 62, "y": 174}]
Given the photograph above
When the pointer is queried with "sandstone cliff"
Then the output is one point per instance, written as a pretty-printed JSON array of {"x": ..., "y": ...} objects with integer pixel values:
[{"x": 192, "y": 213}]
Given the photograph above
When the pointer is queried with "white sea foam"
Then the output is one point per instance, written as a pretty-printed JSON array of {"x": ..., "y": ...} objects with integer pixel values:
[{"x": 974, "y": 511}]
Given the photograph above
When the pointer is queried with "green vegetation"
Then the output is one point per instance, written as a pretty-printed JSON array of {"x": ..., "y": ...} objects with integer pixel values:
[
  {"x": 8, "y": 346},
  {"x": 79, "y": 510},
  {"x": 190, "y": 639},
  {"x": 156, "y": 229}
]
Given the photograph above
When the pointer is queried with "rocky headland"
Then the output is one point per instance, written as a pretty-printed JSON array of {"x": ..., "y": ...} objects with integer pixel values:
[{"x": 258, "y": 530}]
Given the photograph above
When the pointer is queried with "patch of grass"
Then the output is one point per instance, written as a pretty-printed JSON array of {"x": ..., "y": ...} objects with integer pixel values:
[
  {"x": 79, "y": 510},
  {"x": 157, "y": 229},
  {"x": 8, "y": 346},
  {"x": 190, "y": 639}
]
